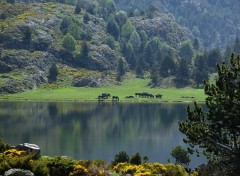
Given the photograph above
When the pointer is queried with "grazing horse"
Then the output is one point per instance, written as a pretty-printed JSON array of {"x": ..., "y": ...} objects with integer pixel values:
[
  {"x": 100, "y": 98},
  {"x": 150, "y": 95},
  {"x": 115, "y": 98},
  {"x": 159, "y": 96},
  {"x": 130, "y": 96},
  {"x": 106, "y": 95}
]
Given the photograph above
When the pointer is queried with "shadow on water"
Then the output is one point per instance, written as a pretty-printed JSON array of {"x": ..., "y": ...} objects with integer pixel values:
[{"x": 94, "y": 130}]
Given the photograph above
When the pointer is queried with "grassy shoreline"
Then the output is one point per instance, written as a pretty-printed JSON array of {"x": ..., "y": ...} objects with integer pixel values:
[{"x": 127, "y": 88}]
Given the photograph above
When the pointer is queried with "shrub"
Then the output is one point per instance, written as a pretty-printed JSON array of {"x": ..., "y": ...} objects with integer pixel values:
[
  {"x": 130, "y": 169},
  {"x": 3, "y": 146},
  {"x": 136, "y": 159},
  {"x": 121, "y": 157},
  {"x": 39, "y": 168},
  {"x": 69, "y": 43},
  {"x": 14, "y": 153},
  {"x": 175, "y": 170},
  {"x": 158, "y": 168},
  {"x": 7, "y": 163},
  {"x": 118, "y": 168},
  {"x": 79, "y": 170},
  {"x": 60, "y": 166}
]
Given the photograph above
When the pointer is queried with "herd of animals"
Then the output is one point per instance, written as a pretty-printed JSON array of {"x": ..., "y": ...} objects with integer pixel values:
[{"x": 105, "y": 96}]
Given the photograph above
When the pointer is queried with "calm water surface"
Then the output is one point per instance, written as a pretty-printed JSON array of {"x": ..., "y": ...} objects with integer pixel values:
[{"x": 95, "y": 130}]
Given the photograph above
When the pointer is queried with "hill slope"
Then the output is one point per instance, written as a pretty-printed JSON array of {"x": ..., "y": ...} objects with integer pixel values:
[
  {"x": 215, "y": 22},
  {"x": 32, "y": 37}
]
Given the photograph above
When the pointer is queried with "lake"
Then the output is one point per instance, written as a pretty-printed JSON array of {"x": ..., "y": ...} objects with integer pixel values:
[{"x": 95, "y": 130}]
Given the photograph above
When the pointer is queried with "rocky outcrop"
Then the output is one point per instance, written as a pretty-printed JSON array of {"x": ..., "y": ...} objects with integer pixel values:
[
  {"x": 91, "y": 81},
  {"x": 30, "y": 149},
  {"x": 164, "y": 27},
  {"x": 18, "y": 172}
]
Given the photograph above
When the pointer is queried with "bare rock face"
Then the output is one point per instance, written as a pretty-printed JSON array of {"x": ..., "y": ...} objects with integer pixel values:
[{"x": 18, "y": 172}]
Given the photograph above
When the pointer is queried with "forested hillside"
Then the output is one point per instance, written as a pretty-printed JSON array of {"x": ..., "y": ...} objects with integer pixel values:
[
  {"x": 95, "y": 43},
  {"x": 214, "y": 22}
]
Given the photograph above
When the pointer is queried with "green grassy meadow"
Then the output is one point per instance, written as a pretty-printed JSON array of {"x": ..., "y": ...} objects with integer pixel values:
[{"x": 127, "y": 88}]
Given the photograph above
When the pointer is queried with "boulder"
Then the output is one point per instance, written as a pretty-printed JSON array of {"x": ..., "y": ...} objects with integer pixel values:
[
  {"x": 30, "y": 149},
  {"x": 86, "y": 81},
  {"x": 18, "y": 172}
]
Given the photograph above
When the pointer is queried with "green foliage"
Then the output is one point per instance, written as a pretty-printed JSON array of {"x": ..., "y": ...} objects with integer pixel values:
[
  {"x": 216, "y": 129},
  {"x": 113, "y": 29},
  {"x": 168, "y": 67},
  {"x": 79, "y": 170},
  {"x": 60, "y": 166},
  {"x": 120, "y": 70},
  {"x": 127, "y": 29},
  {"x": 136, "y": 159},
  {"x": 7, "y": 163},
  {"x": 181, "y": 155},
  {"x": 214, "y": 57},
  {"x": 106, "y": 8},
  {"x": 77, "y": 9},
  {"x": 109, "y": 40},
  {"x": 121, "y": 18},
  {"x": 3, "y": 146},
  {"x": 75, "y": 31},
  {"x": 121, "y": 157},
  {"x": 183, "y": 72},
  {"x": 144, "y": 38},
  {"x": 53, "y": 73},
  {"x": 69, "y": 42},
  {"x": 196, "y": 44},
  {"x": 130, "y": 55},
  {"x": 154, "y": 76},
  {"x": 84, "y": 49},
  {"x": 66, "y": 22},
  {"x": 201, "y": 71},
  {"x": 86, "y": 18},
  {"x": 139, "y": 70},
  {"x": 151, "y": 169},
  {"x": 152, "y": 51},
  {"x": 186, "y": 51},
  {"x": 39, "y": 168},
  {"x": 135, "y": 41}
]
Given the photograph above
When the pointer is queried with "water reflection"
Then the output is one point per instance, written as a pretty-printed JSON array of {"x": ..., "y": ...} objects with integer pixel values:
[{"x": 94, "y": 130}]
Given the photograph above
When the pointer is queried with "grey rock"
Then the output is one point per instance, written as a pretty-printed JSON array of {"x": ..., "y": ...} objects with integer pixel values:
[
  {"x": 86, "y": 81},
  {"x": 102, "y": 58},
  {"x": 18, "y": 172},
  {"x": 30, "y": 148}
]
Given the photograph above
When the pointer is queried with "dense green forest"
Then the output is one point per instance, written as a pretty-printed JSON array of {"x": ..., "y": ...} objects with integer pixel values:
[{"x": 95, "y": 43}]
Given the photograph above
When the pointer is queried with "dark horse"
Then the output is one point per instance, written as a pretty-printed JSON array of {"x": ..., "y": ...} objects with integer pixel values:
[
  {"x": 103, "y": 96},
  {"x": 159, "y": 96},
  {"x": 115, "y": 98}
]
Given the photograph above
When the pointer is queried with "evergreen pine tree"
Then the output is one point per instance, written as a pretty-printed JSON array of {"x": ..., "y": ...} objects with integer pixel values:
[
  {"x": 154, "y": 76},
  {"x": 113, "y": 29},
  {"x": 216, "y": 129},
  {"x": 53, "y": 73},
  {"x": 120, "y": 70}
]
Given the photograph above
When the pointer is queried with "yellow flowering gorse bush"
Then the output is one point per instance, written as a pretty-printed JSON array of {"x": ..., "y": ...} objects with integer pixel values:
[{"x": 151, "y": 169}]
